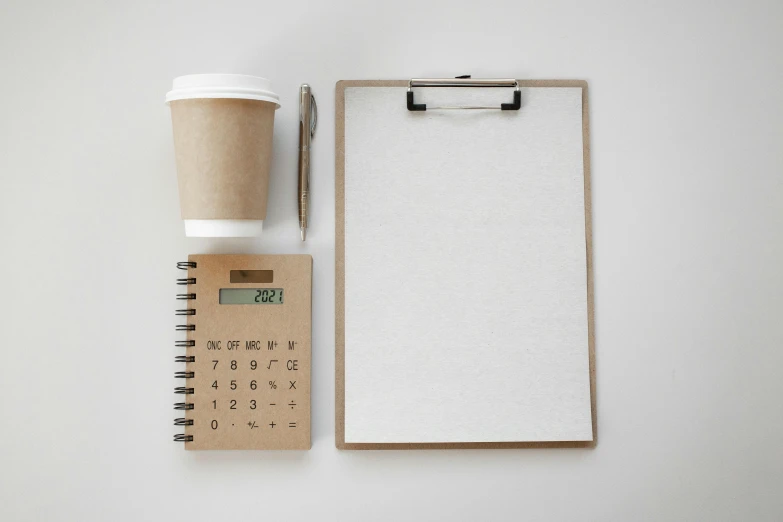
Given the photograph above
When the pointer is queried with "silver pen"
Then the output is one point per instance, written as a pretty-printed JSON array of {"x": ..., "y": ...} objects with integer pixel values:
[{"x": 308, "y": 116}]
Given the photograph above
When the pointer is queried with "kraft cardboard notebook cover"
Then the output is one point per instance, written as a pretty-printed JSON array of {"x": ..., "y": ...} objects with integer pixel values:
[
  {"x": 246, "y": 383},
  {"x": 463, "y": 270}
]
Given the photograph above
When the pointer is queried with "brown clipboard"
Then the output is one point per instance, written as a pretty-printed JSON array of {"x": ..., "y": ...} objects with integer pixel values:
[{"x": 340, "y": 278}]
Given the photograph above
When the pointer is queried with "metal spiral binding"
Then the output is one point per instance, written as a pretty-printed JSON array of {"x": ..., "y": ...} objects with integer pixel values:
[{"x": 187, "y": 343}]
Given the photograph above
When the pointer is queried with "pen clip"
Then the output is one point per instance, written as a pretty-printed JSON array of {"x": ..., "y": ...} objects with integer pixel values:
[{"x": 314, "y": 112}]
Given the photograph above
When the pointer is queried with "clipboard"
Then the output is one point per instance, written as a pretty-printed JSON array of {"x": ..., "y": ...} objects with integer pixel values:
[{"x": 413, "y": 103}]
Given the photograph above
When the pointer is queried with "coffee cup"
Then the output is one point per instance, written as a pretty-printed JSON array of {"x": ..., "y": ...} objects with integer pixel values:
[{"x": 223, "y": 126}]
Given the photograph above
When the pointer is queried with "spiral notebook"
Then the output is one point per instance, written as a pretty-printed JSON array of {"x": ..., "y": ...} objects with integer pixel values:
[
  {"x": 246, "y": 380},
  {"x": 463, "y": 279}
]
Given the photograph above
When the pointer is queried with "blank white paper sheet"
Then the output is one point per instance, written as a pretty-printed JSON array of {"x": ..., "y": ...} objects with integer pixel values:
[{"x": 466, "y": 313}]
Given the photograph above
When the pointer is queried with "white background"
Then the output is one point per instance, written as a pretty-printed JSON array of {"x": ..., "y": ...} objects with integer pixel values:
[{"x": 687, "y": 162}]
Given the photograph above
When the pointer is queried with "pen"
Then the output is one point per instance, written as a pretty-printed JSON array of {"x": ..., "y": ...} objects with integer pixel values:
[{"x": 308, "y": 116}]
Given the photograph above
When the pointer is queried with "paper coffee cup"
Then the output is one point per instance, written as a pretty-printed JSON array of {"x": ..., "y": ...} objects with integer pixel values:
[{"x": 223, "y": 126}]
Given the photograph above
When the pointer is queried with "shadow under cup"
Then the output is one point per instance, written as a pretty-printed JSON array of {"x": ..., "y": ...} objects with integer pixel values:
[{"x": 223, "y": 149}]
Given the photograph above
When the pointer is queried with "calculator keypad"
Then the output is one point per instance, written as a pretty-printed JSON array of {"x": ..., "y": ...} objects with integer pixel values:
[
  {"x": 273, "y": 404},
  {"x": 261, "y": 390}
]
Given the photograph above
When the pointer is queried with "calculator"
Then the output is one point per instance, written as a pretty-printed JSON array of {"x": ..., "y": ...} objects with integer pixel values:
[{"x": 247, "y": 352}]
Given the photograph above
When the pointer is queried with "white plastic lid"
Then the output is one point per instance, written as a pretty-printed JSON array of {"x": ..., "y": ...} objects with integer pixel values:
[{"x": 239, "y": 86}]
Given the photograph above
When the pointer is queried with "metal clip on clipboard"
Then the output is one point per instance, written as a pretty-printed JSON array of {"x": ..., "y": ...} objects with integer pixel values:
[{"x": 464, "y": 81}]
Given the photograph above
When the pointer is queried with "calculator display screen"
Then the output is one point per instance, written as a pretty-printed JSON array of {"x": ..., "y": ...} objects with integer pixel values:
[{"x": 251, "y": 296}]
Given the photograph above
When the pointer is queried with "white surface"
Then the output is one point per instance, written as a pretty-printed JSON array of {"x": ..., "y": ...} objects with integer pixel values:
[
  {"x": 223, "y": 227},
  {"x": 477, "y": 333},
  {"x": 687, "y": 124},
  {"x": 241, "y": 86}
]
